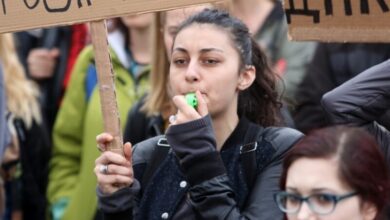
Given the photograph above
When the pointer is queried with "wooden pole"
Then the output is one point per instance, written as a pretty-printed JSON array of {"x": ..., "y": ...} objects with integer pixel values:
[{"x": 111, "y": 120}]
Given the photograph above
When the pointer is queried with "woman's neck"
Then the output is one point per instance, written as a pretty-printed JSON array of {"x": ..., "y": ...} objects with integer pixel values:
[
  {"x": 253, "y": 12},
  {"x": 139, "y": 46},
  {"x": 223, "y": 128}
]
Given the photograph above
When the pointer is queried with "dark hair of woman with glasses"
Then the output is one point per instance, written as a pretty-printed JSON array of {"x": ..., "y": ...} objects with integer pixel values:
[{"x": 334, "y": 173}]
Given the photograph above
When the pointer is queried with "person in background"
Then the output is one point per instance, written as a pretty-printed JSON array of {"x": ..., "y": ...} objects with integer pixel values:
[
  {"x": 267, "y": 24},
  {"x": 4, "y": 132},
  {"x": 25, "y": 162},
  {"x": 214, "y": 56},
  {"x": 48, "y": 56},
  {"x": 71, "y": 190},
  {"x": 332, "y": 65},
  {"x": 149, "y": 116},
  {"x": 4, "y": 136},
  {"x": 335, "y": 173},
  {"x": 363, "y": 101}
]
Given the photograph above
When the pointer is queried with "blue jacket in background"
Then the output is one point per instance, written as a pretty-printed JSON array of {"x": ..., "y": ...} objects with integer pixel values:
[{"x": 4, "y": 134}]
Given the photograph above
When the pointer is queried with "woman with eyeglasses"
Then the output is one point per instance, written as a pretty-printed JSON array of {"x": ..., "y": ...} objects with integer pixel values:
[{"x": 335, "y": 173}]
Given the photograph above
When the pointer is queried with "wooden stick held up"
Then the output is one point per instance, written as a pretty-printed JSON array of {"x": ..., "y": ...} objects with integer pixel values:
[{"x": 109, "y": 106}]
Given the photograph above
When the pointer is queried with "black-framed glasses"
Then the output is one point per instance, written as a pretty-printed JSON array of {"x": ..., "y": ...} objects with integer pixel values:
[{"x": 319, "y": 203}]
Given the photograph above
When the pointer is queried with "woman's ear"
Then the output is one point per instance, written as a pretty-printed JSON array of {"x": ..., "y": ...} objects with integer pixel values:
[
  {"x": 246, "y": 78},
  {"x": 369, "y": 211}
]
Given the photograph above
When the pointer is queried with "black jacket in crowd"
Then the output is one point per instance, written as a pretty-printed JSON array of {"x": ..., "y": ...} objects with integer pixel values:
[
  {"x": 362, "y": 101},
  {"x": 332, "y": 65},
  {"x": 28, "y": 191},
  {"x": 52, "y": 88}
]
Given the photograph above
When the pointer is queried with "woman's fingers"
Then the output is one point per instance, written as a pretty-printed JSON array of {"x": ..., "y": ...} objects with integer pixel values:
[
  {"x": 183, "y": 107},
  {"x": 113, "y": 169},
  {"x": 202, "y": 105},
  {"x": 109, "y": 184},
  {"x": 103, "y": 140},
  {"x": 185, "y": 112},
  {"x": 109, "y": 157},
  {"x": 114, "y": 180},
  {"x": 128, "y": 151}
]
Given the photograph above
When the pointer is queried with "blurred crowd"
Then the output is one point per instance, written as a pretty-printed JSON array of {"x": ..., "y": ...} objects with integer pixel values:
[{"x": 50, "y": 111}]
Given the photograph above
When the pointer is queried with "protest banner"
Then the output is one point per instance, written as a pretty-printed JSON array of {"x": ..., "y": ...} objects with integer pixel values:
[
  {"x": 339, "y": 20},
  {"x": 17, "y": 15}
]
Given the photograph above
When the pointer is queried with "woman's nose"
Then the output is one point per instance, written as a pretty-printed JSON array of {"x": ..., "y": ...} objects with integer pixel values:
[
  {"x": 305, "y": 212},
  {"x": 192, "y": 72}
]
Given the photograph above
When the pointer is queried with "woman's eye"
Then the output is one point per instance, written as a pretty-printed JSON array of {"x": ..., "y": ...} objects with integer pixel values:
[
  {"x": 323, "y": 199},
  {"x": 179, "y": 61},
  {"x": 293, "y": 199},
  {"x": 210, "y": 61}
]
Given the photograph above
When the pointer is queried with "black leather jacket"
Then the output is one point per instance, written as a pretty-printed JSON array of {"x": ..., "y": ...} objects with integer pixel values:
[{"x": 198, "y": 182}]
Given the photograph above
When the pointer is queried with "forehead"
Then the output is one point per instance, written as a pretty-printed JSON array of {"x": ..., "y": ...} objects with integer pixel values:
[
  {"x": 311, "y": 173},
  {"x": 204, "y": 35}
]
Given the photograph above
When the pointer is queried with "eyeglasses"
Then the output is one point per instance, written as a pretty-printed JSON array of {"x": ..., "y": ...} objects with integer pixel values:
[{"x": 319, "y": 203}]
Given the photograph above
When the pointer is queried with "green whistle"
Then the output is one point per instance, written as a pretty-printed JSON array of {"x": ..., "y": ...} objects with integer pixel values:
[{"x": 191, "y": 100}]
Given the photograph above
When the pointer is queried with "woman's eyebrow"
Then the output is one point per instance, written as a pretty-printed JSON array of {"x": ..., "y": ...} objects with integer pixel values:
[
  {"x": 292, "y": 189},
  {"x": 206, "y": 50},
  {"x": 180, "y": 49},
  {"x": 320, "y": 190}
]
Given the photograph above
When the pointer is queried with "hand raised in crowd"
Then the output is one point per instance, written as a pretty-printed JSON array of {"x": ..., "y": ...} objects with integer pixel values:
[
  {"x": 41, "y": 62},
  {"x": 113, "y": 171},
  {"x": 187, "y": 113}
]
